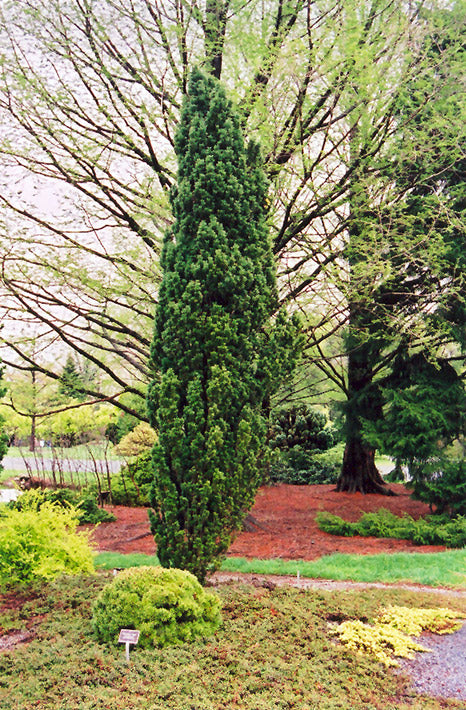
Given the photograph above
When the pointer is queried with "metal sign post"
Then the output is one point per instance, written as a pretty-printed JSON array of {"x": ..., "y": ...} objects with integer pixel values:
[{"x": 128, "y": 636}]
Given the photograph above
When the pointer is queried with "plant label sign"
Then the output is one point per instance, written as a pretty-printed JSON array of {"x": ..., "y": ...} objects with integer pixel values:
[{"x": 128, "y": 636}]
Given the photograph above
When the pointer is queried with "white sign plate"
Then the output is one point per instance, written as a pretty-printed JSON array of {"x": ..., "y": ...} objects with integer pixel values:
[{"x": 128, "y": 636}]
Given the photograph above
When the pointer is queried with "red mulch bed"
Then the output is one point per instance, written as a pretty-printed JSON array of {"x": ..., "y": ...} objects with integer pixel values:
[{"x": 285, "y": 524}]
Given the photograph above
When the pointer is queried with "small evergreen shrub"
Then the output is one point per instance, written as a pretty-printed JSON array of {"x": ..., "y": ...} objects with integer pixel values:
[
  {"x": 85, "y": 504},
  {"x": 168, "y": 606},
  {"x": 40, "y": 542},
  {"x": 433, "y": 530},
  {"x": 300, "y": 469},
  {"x": 443, "y": 485},
  {"x": 300, "y": 426},
  {"x": 298, "y": 436}
]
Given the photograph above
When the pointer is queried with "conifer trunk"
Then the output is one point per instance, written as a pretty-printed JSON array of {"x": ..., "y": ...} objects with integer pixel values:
[{"x": 359, "y": 472}]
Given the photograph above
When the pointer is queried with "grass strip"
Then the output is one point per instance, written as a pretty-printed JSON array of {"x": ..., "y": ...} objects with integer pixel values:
[
  {"x": 117, "y": 560},
  {"x": 439, "y": 569}
]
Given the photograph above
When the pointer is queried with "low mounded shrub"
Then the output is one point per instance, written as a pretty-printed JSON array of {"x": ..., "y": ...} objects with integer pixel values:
[
  {"x": 391, "y": 634},
  {"x": 85, "y": 504},
  {"x": 433, "y": 530},
  {"x": 39, "y": 543},
  {"x": 302, "y": 473},
  {"x": 168, "y": 606}
]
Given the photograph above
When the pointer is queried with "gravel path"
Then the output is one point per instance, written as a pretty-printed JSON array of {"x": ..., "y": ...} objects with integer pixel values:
[
  {"x": 441, "y": 673},
  {"x": 271, "y": 581}
]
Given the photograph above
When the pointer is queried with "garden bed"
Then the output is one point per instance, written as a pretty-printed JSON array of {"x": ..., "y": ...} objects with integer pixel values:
[{"x": 283, "y": 524}]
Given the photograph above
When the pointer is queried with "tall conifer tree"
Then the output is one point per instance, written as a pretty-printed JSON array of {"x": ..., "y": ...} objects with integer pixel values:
[{"x": 216, "y": 354}]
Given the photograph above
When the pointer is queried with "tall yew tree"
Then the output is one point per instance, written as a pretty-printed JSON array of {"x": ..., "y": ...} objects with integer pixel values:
[{"x": 217, "y": 353}]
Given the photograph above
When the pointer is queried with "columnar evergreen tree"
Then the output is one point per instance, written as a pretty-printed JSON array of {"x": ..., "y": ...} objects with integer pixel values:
[{"x": 217, "y": 355}]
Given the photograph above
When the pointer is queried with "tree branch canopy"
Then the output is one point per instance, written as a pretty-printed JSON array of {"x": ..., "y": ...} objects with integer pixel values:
[{"x": 90, "y": 97}]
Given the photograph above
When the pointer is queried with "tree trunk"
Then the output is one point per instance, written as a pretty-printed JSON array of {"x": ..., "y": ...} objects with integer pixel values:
[
  {"x": 359, "y": 472},
  {"x": 32, "y": 436}
]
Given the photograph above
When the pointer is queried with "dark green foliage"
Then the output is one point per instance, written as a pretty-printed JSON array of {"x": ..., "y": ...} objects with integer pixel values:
[
  {"x": 300, "y": 426},
  {"x": 434, "y": 530},
  {"x": 297, "y": 433},
  {"x": 71, "y": 382},
  {"x": 166, "y": 606},
  {"x": 300, "y": 468},
  {"x": 216, "y": 354},
  {"x": 442, "y": 484},
  {"x": 86, "y": 504},
  {"x": 131, "y": 486},
  {"x": 425, "y": 409}
]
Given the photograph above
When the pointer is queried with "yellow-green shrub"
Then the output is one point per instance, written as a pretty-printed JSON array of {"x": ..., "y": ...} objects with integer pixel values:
[
  {"x": 41, "y": 543},
  {"x": 415, "y": 621},
  {"x": 391, "y": 634},
  {"x": 380, "y": 641},
  {"x": 168, "y": 606}
]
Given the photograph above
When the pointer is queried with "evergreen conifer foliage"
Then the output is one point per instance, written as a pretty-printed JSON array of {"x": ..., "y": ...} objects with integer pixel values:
[{"x": 217, "y": 354}]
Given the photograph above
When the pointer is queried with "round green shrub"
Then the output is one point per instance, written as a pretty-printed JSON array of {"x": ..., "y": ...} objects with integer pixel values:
[
  {"x": 168, "y": 606},
  {"x": 40, "y": 542}
]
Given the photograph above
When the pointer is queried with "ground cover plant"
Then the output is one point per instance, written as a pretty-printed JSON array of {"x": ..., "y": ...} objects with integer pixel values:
[
  {"x": 272, "y": 651},
  {"x": 390, "y": 636},
  {"x": 433, "y": 569},
  {"x": 432, "y": 530}
]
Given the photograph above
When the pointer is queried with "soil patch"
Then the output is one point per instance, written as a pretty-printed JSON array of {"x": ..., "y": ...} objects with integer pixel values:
[{"x": 283, "y": 525}]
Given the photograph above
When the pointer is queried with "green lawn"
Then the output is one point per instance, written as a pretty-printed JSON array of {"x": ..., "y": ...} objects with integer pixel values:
[
  {"x": 273, "y": 651},
  {"x": 434, "y": 569}
]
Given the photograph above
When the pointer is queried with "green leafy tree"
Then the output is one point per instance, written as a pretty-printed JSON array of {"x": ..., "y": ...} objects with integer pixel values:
[{"x": 217, "y": 354}]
